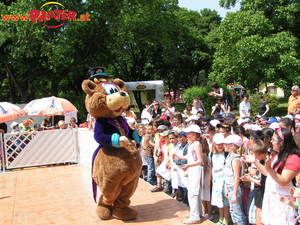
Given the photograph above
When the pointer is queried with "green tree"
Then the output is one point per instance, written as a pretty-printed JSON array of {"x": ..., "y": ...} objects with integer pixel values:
[
  {"x": 284, "y": 15},
  {"x": 38, "y": 60},
  {"x": 193, "y": 55},
  {"x": 158, "y": 40},
  {"x": 133, "y": 39},
  {"x": 251, "y": 51}
]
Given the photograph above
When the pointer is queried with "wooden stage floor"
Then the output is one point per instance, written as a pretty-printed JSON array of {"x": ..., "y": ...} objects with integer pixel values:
[{"x": 62, "y": 195}]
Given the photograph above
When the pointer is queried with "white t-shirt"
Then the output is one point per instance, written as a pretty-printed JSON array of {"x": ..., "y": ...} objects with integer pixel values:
[
  {"x": 146, "y": 114},
  {"x": 244, "y": 106},
  {"x": 194, "y": 111}
]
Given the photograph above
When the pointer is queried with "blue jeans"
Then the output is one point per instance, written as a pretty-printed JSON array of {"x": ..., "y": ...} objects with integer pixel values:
[
  {"x": 150, "y": 169},
  {"x": 236, "y": 209},
  {"x": 169, "y": 185},
  {"x": 183, "y": 192}
]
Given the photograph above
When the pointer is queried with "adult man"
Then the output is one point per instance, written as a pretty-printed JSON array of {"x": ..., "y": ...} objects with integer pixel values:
[
  {"x": 245, "y": 107},
  {"x": 294, "y": 100}
]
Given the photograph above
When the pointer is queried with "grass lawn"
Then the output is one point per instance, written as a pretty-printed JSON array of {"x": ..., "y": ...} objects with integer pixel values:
[{"x": 282, "y": 107}]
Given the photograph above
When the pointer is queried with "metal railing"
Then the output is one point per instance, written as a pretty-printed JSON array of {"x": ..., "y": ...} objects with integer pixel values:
[{"x": 38, "y": 148}]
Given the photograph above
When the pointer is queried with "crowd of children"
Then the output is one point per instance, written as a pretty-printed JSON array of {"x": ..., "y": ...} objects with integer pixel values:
[{"x": 245, "y": 169}]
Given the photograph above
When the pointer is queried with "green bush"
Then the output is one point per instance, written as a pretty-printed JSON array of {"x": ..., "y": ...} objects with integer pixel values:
[
  {"x": 179, "y": 106},
  {"x": 202, "y": 93},
  {"x": 272, "y": 102}
]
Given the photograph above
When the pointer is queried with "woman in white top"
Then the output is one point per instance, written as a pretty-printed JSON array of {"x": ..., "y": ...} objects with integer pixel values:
[
  {"x": 168, "y": 109},
  {"x": 197, "y": 106},
  {"x": 146, "y": 112}
]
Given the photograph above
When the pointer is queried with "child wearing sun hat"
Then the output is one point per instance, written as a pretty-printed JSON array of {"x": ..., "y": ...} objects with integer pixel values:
[
  {"x": 15, "y": 127},
  {"x": 232, "y": 182},
  {"x": 180, "y": 157},
  {"x": 218, "y": 157},
  {"x": 193, "y": 168}
]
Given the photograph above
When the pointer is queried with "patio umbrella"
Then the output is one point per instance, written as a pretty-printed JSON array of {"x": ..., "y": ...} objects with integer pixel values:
[
  {"x": 49, "y": 106},
  {"x": 9, "y": 112}
]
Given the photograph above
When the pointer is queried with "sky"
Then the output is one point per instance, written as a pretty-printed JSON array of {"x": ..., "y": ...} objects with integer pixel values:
[{"x": 197, "y": 5}]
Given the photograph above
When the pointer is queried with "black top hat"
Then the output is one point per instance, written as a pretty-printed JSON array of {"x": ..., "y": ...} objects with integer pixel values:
[{"x": 98, "y": 72}]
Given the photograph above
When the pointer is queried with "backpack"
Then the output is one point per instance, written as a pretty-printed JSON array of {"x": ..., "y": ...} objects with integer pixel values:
[{"x": 243, "y": 171}]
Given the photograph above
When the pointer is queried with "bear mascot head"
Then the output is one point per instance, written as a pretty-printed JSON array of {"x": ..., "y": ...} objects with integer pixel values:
[{"x": 116, "y": 162}]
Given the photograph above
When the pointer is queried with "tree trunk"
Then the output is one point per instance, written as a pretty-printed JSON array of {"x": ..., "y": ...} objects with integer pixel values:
[
  {"x": 54, "y": 87},
  {"x": 16, "y": 83}
]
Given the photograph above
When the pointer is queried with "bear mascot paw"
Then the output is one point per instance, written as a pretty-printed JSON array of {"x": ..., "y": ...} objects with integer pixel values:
[{"x": 116, "y": 162}]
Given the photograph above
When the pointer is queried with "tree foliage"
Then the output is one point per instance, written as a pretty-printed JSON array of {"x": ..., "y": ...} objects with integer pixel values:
[
  {"x": 259, "y": 43},
  {"x": 38, "y": 59},
  {"x": 134, "y": 39},
  {"x": 251, "y": 51}
]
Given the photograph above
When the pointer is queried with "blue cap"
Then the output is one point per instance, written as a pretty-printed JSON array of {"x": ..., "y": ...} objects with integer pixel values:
[
  {"x": 230, "y": 116},
  {"x": 181, "y": 133},
  {"x": 206, "y": 118},
  {"x": 272, "y": 120}
]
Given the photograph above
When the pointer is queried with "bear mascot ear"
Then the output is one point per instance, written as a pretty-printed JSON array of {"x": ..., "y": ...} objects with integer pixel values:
[
  {"x": 120, "y": 83},
  {"x": 88, "y": 87}
]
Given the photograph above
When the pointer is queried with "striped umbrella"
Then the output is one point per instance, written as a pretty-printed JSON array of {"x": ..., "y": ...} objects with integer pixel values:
[
  {"x": 9, "y": 112},
  {"x": 49, "y": 106}
]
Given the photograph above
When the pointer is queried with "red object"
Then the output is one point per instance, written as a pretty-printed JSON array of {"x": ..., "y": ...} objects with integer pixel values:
[
  {"x": 163, "y": 117},
  {"x": 25, "y": 122}
]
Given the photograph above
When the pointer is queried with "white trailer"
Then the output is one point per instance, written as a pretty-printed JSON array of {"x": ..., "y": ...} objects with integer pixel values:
[{"x": 155, "y": 87}]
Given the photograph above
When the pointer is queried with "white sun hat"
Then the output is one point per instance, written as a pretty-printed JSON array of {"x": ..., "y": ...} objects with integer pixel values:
[
  {"x": 234, "y": 139},
  {"x": 193, "y": 128}
]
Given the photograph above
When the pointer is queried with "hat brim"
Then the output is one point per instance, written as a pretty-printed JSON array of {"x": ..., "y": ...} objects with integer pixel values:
[
  {"x": 100, "y": 76},
  {"x": 192, "y": 131}
]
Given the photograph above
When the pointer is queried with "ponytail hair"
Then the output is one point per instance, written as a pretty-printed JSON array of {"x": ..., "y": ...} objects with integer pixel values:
[
  {"x": 205, "y": 146},
  {"x": 241, "y": 150}
]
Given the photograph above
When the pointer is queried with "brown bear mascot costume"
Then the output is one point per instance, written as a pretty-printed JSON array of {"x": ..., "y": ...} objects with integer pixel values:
[{"x": 116, "y": 162}]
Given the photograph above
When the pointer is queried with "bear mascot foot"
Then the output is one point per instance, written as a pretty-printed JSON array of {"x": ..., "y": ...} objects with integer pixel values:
[
  {"x": 124, "y": 214},
  {"x": 104, "y": 211}
]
